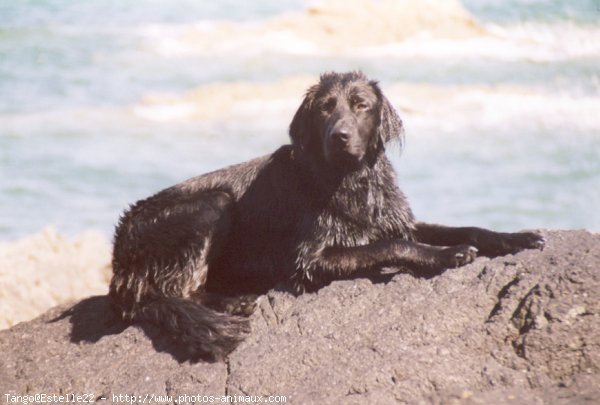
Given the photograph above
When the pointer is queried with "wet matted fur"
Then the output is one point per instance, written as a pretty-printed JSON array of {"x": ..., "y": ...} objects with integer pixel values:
[{"x": 191, "y": 258}]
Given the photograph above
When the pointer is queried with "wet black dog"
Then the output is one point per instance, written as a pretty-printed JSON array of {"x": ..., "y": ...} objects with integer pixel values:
[{"x": 325, "y": 207}]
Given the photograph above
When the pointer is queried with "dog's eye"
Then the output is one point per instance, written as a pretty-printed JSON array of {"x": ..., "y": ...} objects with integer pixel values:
[
  {"x": 359, "y": 103},
  {"x": 328, "y": 105}
]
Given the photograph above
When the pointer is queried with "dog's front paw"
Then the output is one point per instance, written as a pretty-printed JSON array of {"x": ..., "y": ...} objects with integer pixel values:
[
  {"x": 457, "y": 256},
  {"x": 516, "y": 242}
]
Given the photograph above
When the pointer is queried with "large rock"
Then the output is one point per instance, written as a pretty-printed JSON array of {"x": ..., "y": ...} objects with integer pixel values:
[{"x": 515, "y": 329}]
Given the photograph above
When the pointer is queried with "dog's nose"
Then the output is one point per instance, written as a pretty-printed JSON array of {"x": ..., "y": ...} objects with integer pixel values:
[{"x": 341, "y": 135}]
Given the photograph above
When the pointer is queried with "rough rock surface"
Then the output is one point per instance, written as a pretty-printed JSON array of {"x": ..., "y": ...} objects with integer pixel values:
[{"x": 515, "y": 329}]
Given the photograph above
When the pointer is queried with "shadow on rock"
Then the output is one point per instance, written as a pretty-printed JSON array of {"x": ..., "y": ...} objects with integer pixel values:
[{"x": 93, "y": 318}]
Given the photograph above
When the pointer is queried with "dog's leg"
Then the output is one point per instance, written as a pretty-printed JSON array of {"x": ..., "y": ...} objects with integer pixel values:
[
  {"x": 333, "y": 263},
  {"x": 488, "y": 243}
]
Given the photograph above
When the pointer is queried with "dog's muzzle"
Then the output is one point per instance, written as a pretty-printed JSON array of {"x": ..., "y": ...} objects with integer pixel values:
[{"x": 343, "y": 145}]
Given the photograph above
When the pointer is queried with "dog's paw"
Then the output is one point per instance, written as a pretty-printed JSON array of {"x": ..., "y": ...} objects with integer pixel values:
[
  {"x": 243, "y": 305},
  {"x": 530, "y": 240},
  {"x": 457, "y": 256},
  {"x": 516, "y": 242}
]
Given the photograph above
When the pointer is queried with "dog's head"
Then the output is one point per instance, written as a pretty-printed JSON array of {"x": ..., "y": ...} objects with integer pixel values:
[{"x": 345, "y": 120}]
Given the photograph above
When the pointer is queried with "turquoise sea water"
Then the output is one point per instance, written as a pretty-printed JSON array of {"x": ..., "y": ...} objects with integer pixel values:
[{"x": 517, "y": 146}]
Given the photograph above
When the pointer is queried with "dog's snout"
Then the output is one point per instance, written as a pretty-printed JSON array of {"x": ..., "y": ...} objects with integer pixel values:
[
  {"x": 342, "y": 131},
  {"x": 341, "y": 135}
]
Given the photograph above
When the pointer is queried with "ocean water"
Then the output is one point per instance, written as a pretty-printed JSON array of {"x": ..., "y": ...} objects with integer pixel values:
[{"x": 103, "y": 102}]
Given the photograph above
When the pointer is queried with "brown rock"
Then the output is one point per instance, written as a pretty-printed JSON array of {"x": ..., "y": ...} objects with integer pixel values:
[{"x": 515, "y": 329}]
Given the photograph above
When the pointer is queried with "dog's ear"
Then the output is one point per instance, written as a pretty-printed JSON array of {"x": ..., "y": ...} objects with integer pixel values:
[
  {"x": 301, "y": 127},
  {"x": 390, "y": 124}
]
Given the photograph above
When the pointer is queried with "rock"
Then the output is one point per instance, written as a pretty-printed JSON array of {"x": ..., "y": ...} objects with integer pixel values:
[
  {"x": 43, "y": 270},
  {"x": 515, "y": 329}
]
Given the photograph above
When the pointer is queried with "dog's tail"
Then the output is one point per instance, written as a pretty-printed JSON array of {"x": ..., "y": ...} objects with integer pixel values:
[{"x": 201, "y": 331}]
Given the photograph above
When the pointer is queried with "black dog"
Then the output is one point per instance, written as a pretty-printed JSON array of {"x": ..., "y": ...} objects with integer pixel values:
[{"x": 325, "y": 207}]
